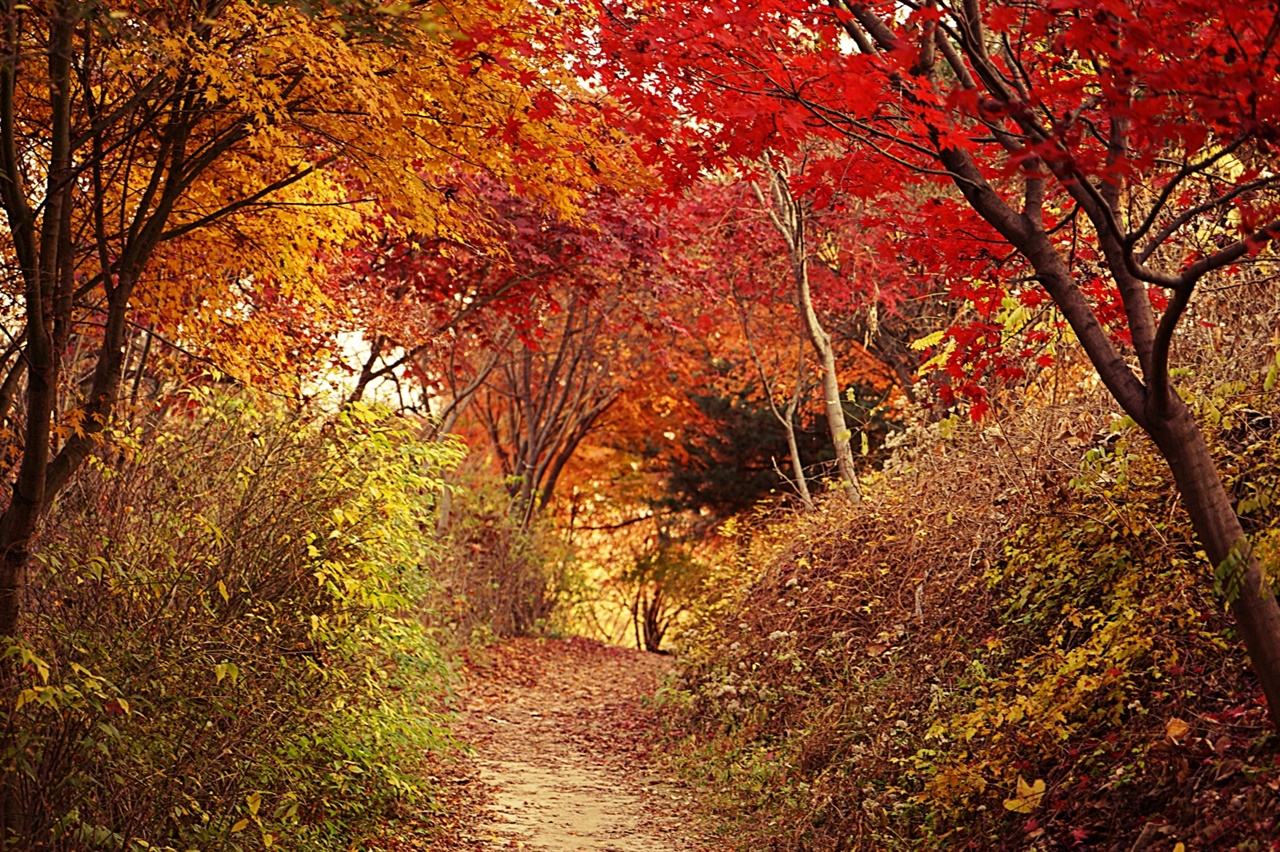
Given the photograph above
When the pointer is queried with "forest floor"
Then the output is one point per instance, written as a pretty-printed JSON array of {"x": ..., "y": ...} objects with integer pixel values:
[{"x": 563, "y": 757}]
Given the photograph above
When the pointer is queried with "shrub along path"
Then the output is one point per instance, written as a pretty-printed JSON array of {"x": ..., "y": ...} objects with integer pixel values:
[{"x": 563, "y": 755}]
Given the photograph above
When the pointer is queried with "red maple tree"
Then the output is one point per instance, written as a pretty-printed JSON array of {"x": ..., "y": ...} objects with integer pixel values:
[{"x": 1115, "y": 153}]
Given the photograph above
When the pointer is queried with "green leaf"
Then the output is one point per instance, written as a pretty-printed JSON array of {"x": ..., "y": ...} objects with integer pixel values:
[{"x": 1228, "y": 576}]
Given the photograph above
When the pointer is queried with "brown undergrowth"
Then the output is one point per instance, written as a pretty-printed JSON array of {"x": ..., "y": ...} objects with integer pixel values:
[{"x": 1012, "y": 644}]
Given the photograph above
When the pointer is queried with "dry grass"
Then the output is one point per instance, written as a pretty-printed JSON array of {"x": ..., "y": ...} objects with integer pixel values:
[{"x": 857, "y": 693}]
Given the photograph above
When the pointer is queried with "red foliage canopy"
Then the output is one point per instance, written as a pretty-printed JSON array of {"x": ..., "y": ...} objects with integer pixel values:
[{"x": 1044, "y": 110}]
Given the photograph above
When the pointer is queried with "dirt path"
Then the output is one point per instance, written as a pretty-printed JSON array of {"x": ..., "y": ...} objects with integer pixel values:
[{"x": 562, "y": 757}]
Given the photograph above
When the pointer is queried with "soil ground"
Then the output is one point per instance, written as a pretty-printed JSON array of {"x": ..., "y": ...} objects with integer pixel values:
[{"x": 563, "y": 757}]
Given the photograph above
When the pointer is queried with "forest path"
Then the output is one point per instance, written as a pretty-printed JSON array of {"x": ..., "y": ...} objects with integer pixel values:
[{"x": 563, "y": 749}]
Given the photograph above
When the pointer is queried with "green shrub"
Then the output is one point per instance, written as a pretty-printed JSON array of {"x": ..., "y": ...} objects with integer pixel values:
[{"x": 220, "y": 643}]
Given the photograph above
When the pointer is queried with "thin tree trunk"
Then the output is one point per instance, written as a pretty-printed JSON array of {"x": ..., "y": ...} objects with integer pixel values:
[
  {"x": 9, "y": 388},
  {"x": 653, "y": 629},
  {"x": 788, "y": 419},
  {"x": 635, "y": 617},
  {"x": 797, "y": 466},
  {"x": 787, "y": 415},
  {"x": 446, "y": 506},
  {"x": 788, "y": 218},
  {"x": 840, "y": 433},
  {"x": 142, "y": 366},
  {"x": 42, "y": 252},
  {"x": 27, "y": 502},
  {"x": 1218, "y": 528}
]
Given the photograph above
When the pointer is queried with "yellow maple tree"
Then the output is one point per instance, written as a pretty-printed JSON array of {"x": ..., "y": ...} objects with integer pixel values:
[{"x": 191, "y": 168}]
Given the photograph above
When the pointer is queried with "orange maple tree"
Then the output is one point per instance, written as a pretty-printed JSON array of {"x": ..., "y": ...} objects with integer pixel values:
[{"x": 191, "y": 170}]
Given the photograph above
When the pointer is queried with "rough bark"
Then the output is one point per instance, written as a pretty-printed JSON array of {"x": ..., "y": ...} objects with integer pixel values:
[{"x": 1218, "y": 528}]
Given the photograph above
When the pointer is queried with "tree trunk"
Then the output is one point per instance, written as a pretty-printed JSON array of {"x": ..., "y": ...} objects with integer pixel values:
[
  {"x": 787, "y": 415},
  {"x": 653, "y": 629},
  {"x": 367, "y": 370},
  {"x": 27, "y": 500},
  {"x": 1154, "y": 406},
  {"x": 789, "y": 218},
  {"x": 42, "y": 253},
  {"x": 1218, "y": 528},
  {"x": 797, "y": 466},
  {"x": 840, "y": 433}
]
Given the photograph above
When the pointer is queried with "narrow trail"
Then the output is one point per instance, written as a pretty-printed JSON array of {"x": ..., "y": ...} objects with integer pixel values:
[{"x": 562, "y": 756}]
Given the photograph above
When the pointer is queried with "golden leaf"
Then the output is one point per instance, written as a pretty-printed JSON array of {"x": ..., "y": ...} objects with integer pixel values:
[
  {"x": 1176, "y": 729},
  {"x": 1028, "y": 798}
]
